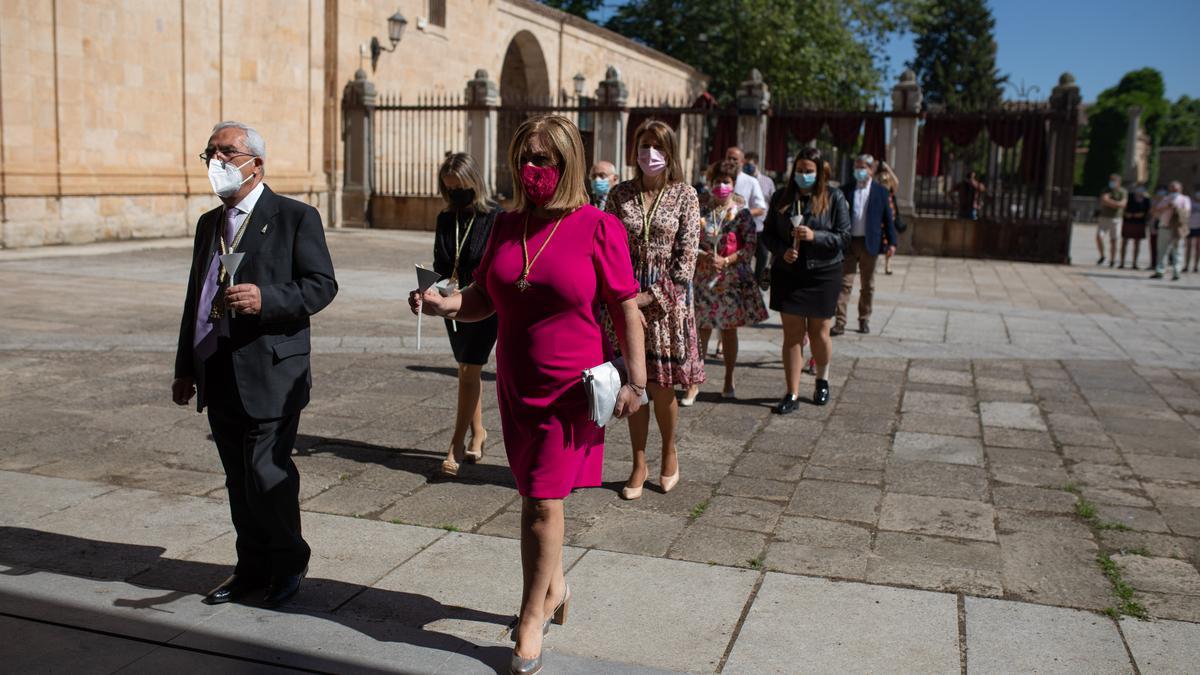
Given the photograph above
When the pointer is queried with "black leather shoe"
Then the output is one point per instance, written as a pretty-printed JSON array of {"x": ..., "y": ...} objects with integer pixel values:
[
  {"x": 786, "y": 404},
  {"x": 821, "y": 393},
  {"x": 837, "y": 330},
  {"x": 236, "y": 586},
  {"x": 863, "y": 326},
  {"x": 282, "y": 589}
]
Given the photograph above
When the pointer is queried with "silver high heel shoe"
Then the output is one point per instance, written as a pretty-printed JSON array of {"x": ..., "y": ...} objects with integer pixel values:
[{"x": 523, "y": 666}]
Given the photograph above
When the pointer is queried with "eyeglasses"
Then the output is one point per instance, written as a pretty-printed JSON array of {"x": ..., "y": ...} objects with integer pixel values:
[{"x": 227, "y": 152}]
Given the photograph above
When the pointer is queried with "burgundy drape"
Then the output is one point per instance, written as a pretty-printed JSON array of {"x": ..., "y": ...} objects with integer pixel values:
[
  {"x": 844, "y": 130},
  {"x": 929, "y": 149},
  {"x": 1033, "y": 150},
  {"x": 780, "y": 130},
  {"x": 1005, "y": 132},
  {"x": 873, "y": 143},
  {"x": 637, "y": 118},
  {"x": 723, "y": 138}
]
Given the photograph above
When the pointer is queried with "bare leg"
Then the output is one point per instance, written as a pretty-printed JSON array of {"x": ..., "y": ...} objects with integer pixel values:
[
  {"x": 1137, "y": 248},
  {"x": 729, "y": 338},
  {"x": 666, "y": 413},
  {"x": 1124, "y": 247},
  {"x": 639, "y": 430},
  {"x": 1100, "y": 243},
  {"x": 793, "y": 351},
  {"x": 542, "y": 530},
  {"x": 703, "y": 335},
  {"x": 470, "y": 397},
  {"x": 822, "y": 344}
]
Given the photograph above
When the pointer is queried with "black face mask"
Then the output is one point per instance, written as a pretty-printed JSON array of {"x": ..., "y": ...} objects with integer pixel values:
[{"x": 461, "y": 198}]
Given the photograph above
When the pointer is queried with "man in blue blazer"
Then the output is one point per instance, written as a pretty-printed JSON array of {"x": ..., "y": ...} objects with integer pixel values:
[
  {"x": 872, "y": 232},
  {"x": 243, "y": 352}
]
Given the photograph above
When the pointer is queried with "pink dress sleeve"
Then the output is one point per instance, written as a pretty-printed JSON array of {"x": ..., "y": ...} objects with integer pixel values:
[
  {"x": 485, "y": 261},
  {"x": 614, "y": 267}
]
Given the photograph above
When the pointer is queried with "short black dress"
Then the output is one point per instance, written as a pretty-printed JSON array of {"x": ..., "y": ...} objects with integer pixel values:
[
  {"x": 810, "y": 286},
  {"x": 472, "y": 342}
]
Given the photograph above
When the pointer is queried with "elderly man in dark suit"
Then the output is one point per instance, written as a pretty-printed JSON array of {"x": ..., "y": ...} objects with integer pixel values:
[
  {"x": 243, "y": 352},
  {"x": 872, "y": 231}
]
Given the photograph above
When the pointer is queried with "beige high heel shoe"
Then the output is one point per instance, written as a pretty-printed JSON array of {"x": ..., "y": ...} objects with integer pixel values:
[
  {"x": 632, "y": 493},
  {"x": 689, "y": 399},
  {"x": 451, "y": 466},
  {"x": 473, "y": 456},
  {"x": 668, "y": 483}
]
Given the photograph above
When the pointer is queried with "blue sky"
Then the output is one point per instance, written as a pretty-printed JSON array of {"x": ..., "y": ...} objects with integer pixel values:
[{"x": 1096, "y": 40}]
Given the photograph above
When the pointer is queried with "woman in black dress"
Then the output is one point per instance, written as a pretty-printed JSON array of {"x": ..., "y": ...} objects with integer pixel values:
[
  {"x": 462, "y": 233},
  {"x": 807, "y": 231}
]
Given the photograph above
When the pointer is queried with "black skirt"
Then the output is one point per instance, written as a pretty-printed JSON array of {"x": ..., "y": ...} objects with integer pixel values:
[
  {"x": 805, "y": 292},
  {"x": 472, "y": 342}
]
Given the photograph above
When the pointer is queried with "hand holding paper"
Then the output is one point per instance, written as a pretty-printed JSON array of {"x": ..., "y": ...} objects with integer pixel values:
[{"x": 425, "y": 278}]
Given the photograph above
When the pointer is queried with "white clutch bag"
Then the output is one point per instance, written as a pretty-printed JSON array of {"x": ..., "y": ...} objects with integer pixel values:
[{"x": 602, "y": 385}]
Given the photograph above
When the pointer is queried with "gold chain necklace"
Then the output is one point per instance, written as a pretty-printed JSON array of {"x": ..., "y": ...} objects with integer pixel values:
[
  {"x": 523, "y": 283},
  {"x": 648, "y": 216},
  {"x": 458, "y": 245}
]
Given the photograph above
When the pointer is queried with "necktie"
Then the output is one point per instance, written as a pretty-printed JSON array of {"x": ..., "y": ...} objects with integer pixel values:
[{"x": 204, "y": 338}]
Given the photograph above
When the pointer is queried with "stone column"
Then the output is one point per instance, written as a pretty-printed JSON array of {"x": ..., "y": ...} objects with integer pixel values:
[
  {"x": 902, "y": 150},
  {"x": 611, "y": 117},
  {"x": 483, "y": 97},
  {"x": 358, "y": 107},
  {"x": 753, "y": 101},
  {"x": 1060, "y": 169}
]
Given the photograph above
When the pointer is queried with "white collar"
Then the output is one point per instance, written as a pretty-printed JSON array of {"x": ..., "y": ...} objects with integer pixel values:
[
  {"x": 864, "y": 186},
  {"x": 248, "y": 202}
]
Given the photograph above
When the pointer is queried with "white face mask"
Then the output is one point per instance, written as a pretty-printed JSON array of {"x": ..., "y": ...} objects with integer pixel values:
[{"x": 225, "y": 177}]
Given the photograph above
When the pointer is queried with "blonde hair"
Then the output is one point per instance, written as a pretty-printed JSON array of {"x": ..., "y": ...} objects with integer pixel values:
[
  {"x": 463, "y": 167},
  {"x": 563, "y": 138},
  {"x": 888, "y": 177},
  {"x": 665, "y": 136}
]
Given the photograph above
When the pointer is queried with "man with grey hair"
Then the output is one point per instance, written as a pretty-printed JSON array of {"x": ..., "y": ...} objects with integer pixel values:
[
  {"x": 1173, "y": 213},
  {"x": 872, "y": 231},
  {"x": 602, "y": 178},
  {"x": 260, "y": 269}
]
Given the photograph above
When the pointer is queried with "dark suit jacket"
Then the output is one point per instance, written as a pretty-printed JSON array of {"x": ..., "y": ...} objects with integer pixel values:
[
  {"x": 290, "y": 264},
  {"x": 879, "y": 216}
]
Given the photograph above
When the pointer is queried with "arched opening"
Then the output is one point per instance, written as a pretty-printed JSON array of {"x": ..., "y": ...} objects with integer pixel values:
[{"x": 524, "y": 82}]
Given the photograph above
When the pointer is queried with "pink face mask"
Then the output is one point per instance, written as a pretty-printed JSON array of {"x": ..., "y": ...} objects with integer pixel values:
[
  {"x": 722, "y": 191},
  {"x": 539, "y": 182},
  {"x": 652, "y": 161}
]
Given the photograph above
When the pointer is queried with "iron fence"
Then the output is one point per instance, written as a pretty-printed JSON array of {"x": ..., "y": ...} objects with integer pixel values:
[{"x": 411, "y": 141}]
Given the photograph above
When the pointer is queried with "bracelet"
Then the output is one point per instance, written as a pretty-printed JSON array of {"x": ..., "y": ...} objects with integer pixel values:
[{"x": 638, "y": 389}]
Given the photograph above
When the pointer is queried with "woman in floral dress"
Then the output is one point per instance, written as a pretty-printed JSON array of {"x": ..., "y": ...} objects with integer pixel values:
[
  {"x": 727, "y": 294},
  {"x": 662, "y": 216}
]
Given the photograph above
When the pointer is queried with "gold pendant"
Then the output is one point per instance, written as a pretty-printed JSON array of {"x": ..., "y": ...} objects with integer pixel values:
[{"x": 523, "y": 285}]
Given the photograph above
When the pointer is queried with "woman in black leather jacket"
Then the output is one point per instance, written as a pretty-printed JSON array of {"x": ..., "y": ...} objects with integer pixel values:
[{"x": 807, "y": 231}]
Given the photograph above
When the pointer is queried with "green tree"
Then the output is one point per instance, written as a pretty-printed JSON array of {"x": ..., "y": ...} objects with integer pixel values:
[
  {"x": 956, "y": 55},
  {"x": 581, "y": 8},
  {"x": 1182, "y": 126},
  {"x": 823, "y": 52},
  {"x": 1108, "y": 126}
]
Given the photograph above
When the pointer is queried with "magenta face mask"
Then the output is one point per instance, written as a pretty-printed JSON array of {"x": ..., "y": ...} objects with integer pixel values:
[
  {"x": 722, "y": 191},
  {"x": 539, "y": 182}
]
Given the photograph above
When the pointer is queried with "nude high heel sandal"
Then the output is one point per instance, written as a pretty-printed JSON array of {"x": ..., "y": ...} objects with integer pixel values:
[
  {"x": 631, "y": 493},
  {"x": 668, "y": 483}
]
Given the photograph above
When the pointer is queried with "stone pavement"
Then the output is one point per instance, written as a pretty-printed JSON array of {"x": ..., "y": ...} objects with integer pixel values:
[{"x": 1006, "y": 430}]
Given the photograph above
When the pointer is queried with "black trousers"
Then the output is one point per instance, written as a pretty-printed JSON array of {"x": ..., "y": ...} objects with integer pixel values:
[
  {"x": 265, "y": 516},
  {"x": 761, "y": 254}
]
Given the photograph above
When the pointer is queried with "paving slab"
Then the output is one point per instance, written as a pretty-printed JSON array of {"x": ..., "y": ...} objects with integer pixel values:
[
  {"x": 1161, "y": 575},
  {"x": 617, "y": 596},
  {"x": 1005, "y": 636},
  {"x": 938, "y": 479},
  {"x": 938, "y": 516},
  {"x": 836, "y": 501},
  {"x": 1163, "y": 647},
  {"x": 1011, "y": 415},
  {"x": 918, "y": 447},
  {"x": 32, "y": 647},
  {"x": 846, "y": 627},
  {"x": 29, "y": 497}
]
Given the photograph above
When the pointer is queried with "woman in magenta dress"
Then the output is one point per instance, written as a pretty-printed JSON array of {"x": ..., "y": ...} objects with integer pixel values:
[{"x": 550, "y": 264}]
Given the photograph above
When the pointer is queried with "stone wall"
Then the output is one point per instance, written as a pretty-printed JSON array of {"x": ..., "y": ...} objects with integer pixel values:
[
  {"x": 1181, "y": 164},
  {"x": 105, "y": 104},
  {"x": 104, "y": 107}
]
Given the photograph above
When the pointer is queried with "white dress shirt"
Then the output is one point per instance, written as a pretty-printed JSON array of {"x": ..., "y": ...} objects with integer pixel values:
[
  {"x": 858, "y": 227},
  {"x": 245, "y": 206},
  {"x": 750, "y": 190}
]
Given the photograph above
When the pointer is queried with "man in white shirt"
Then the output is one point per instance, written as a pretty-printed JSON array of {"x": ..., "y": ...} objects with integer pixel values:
[
  {"x": 751, "y": 168},
  {"x": 872, "y": 232},
  {"x": 750, "y": 190}
]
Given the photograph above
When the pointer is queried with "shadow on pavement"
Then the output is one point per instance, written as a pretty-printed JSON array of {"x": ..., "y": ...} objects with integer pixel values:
[
  {"x": 422, "y": 462},
  {"x": 486, "y": 376},
  {"x": 144, "y": 567}
]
